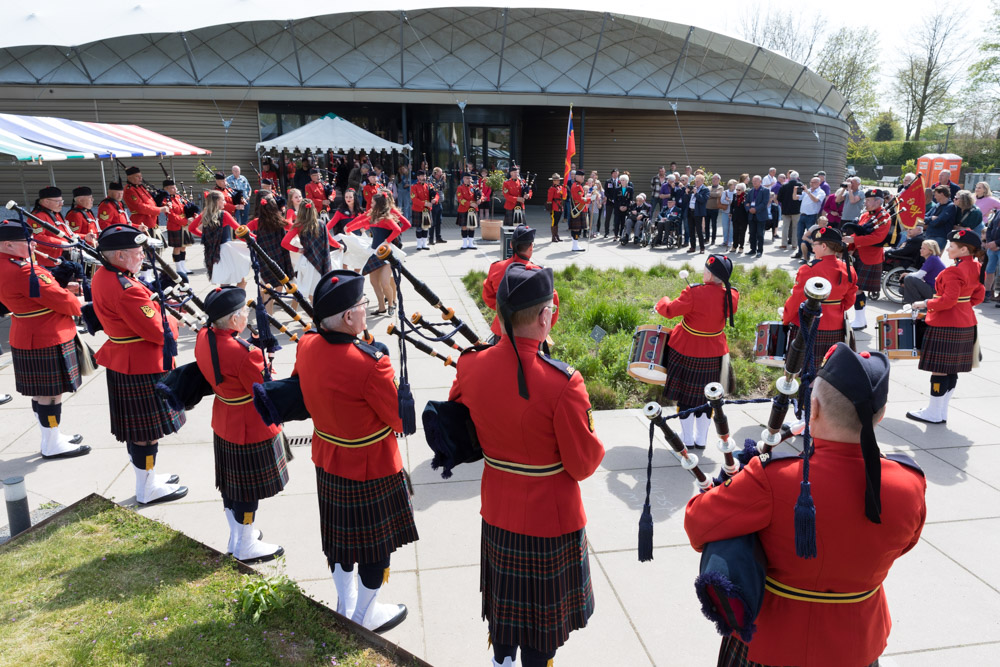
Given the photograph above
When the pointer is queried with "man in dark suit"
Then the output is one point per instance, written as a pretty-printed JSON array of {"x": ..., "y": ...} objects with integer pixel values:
[
  {"x": 624, "y": 196},
  {"x": 610, "y": 186},
  {"x": 942, "y": 217},
  {"x": 757, "y": 201},
  {"x": 909, "y": 254},
  {"x": 697, "y": 209}
]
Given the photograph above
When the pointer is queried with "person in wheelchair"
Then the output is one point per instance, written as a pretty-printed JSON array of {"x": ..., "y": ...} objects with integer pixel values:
[
  {"x": 907, "y": 256},
  {"x": 919, "y": 285},
  {"x": 668, "y": 224},
  {"x": 638, "y": 215}
]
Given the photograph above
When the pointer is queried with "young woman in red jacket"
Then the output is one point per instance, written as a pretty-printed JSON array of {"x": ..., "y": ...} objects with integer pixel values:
[
  {"x": 386, "y": 222},
  {"x": 949, "y": 346}
]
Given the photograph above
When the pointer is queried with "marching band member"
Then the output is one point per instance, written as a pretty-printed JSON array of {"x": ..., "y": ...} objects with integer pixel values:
[
  {"x": 369, "y": 190},
  {"x": 555, "y": 201},
  {"x": 316, "y": 191},
  {"x": 466, "y": 201},
  {"x": 133, "y": 357},
  {"x": 80, "y": 217},
  {"x": 111, "y": 211},
  {"x": 41, "y": 338},
  {"x": 270, "y": 229},
  {"x": 420, "y": 197},
  {"x": 178, "y": 236},
  {"x": 578, "y": 210},
  {"x": 698, "y": 351},
  {"x": 826, "y": 243},
  {"x": 438, "y": 184},
  {"x": 221, "y": 186},
  {"x": 486, "y": 203},
  {"x": 309, "y": 238},
  {"x": 386, "y": 222},
  {"x": 364, "y": 506},
  {"x": 534, "y": 568},
  {"x": 249, "y": 455},
  {"x": 828, "y": 610},
  {"x": 868, "y": 252},
  {"x": 145, "y": 212},
  {"x": 523, "y": 244},
  {"x": 513, "y": 196},
  {"x": 950, "y": 342},
  {"x": 48, "y": 206},
  {"x": 215, "y": 226}
]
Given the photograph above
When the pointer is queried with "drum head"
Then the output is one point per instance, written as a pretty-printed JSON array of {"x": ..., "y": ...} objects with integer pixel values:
[{"x": 648, "y": 373}]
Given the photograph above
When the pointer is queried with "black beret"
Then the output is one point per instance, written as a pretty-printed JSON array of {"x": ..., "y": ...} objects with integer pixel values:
[
  {"x": 966, "y": 236},
  {"x": 280, "y": 202},
  {"x": 115, "y": 185},
  {"x": 523, "y": 287},
  {"x": 720, "y": 266},
  {"x": 168, "y": 182},
  {"x": 131, "y": 171},
  {"x": 827, "y": 235},
  {"x": 862, "y": 377},
  {"x": 514, "y": 167},
  {"x": 120, "y": 237},
  {"x": 266, "y": 181},
  {"x": 224, "y": 301},
  {"x": 580, "y": 172},
  {"x": 219, "y": 176},
  {"x": 13, "y": 230},
  {"x": 82, "y": 191},
  {"x": 466, "y": 174},
  {"x": 337, "y": 291},
  {"x": 523, "y": 235},
  {"x": 51, "y": 192},
  {"x": 421, "y": 172},
  {"x": 314, "y": 170},
  {"x": 876, "y": 192}
]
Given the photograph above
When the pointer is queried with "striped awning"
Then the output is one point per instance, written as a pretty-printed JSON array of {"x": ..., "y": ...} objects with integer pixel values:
[
  {"x": 28, "y": 151},
  {"x": 80, "y": 139}
]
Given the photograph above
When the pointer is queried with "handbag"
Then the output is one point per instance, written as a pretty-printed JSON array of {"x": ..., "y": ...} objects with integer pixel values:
[{"x": 85, "y": 358}]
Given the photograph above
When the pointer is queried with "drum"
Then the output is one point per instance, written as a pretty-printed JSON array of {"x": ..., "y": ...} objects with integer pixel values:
[
  {"x": 901, "y": 335},
  {"x": 649, "y": 350},
  {"x": 771, "y": 344}
]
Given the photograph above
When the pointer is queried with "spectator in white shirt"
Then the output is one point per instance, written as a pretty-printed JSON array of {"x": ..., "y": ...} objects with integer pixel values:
[
  {"x": 812, "y": 200},
  {"x": 771, "y": 178}
]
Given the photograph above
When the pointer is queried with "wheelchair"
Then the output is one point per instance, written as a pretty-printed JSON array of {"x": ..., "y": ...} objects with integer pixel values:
[
  {"x": 894, "y": 270},
  {"x": 672, "y": 237}
]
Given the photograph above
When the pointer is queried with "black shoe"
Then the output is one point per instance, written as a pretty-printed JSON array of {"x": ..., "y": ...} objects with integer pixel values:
[
  {"x": 430, "y": 242},
  {"x": 176, "y": 495},
  {"x": 71, "y": 454},
  {"x": 7, "y": 398},
  {"x": 441, "y": 241},
  {"x": 759, "y": 255}
]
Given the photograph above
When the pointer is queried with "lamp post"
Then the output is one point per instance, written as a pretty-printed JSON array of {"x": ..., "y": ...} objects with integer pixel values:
[
  {"x": 948, "y": 135},
  {"x": 465, "y": 137}
]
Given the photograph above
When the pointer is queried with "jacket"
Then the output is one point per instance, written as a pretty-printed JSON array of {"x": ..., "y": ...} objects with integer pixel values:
[
  {"x": 956, "y": 290},
  {"x": 700, "y": 197},
  {"x": 702, "y": 330},
  {"x": 758, "y": 199},
  {"x": 844, "y": 287},
  {"x": 941, "y": 220},
  {"x": 41, "y": 322}
]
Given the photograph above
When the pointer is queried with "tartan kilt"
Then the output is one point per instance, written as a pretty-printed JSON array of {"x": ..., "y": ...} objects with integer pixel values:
[
  {"x": 461, "y": 219},
  {"x": 869, "y": 276},
  {"x": 947, "y": 350},
  {"x": 687, "y": 377},
  {"x": 733, "y": 653},
  {"x": 250, "y": 472},
  {"x": 379, "y": 236},
  {"x": 49, "y": 371},
  {"x": 270, "y": 243},
  {"x": 363, "y": 522},
  {"x": 536, "y": 590},
  {"x": 137, "y": 413},
  {"x": 825, "y": 339},
  {"x": 576, "y": 224},
  {"x": 178, "y": 238}
]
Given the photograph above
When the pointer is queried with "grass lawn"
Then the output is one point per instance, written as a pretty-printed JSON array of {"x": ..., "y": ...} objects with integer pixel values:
[
  {"x": 620, "y": 300},
  {"x": 103, "y": 585}
]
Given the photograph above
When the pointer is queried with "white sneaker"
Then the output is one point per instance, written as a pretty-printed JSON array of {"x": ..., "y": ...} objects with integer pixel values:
[
  {"x": 376, "y": 616},
  {"x": 149, "y": 490},
  {"x": 251, "y": 550},
  {"x": 347, "y": 590}
]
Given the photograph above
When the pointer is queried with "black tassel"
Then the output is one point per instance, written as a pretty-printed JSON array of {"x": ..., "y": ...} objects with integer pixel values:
[
  {"x": 169, "y": 348},
  {"x": 34, "y": 290},
  {"x": 646, "y": 519},
  {"x": 407, "y": 408}
]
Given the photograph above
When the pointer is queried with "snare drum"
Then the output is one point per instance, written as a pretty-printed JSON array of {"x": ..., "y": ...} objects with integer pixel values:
[
  {"x": 649, "y": 349},
  {"x": 901, "y": 335},
  {"x": 771, "y": 344}
]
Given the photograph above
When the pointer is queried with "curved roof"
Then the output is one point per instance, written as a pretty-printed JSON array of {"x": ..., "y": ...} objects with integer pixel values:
[{"x": 458, "y": 49}]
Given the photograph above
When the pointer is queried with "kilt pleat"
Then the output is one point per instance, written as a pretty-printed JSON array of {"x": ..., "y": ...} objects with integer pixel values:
[
  {"x": 250, "y": 472},
  {"x": 869, "y": 276},
  {"x": 825, "y": 339},
  {"x": 49, "y": 371},
  {"x": 178, "y": 238},
  {"x": 364, "y": 522},
  {"x": 270, "y": 242},
  {"x": 733, "y": 653},
  {"x": 137, "y": 413},
  {"x": 687, "y": 377},
  {"x": 379, "y": 236},
  {"x": 536, "y": 590},
  {"x": 947, "y": 350}
]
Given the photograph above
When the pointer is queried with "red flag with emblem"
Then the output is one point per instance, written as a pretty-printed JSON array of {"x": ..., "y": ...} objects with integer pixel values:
[
  {"x": 912, "y": 203},
  {"x": 570, "y": 147}
]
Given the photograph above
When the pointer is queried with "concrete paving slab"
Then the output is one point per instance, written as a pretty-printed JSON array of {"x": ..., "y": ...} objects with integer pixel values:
[
  {"x": 982, "y": 654},
  {"x": 974, "y": 461},
  {"x": 971, "y": 544},
  {"x": 967, "y": 431},
  {"x": 448, "y": 519}
]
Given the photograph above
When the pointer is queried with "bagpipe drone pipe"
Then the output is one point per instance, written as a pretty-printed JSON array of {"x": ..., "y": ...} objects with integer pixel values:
[{"x": 730, "y": 584}]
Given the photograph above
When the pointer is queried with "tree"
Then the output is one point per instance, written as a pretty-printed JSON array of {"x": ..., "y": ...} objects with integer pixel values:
[
  {"x": 981, "y": 107},
  {"x": 786, "y": 32},
  {"x": 849, "y": 60},
  {"x": 884, "y": 131},
  {"x": 923, "y": 84}
]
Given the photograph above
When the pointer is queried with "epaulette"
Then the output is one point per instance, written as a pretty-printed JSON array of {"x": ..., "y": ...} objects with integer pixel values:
[
  {"x": 815, "y": 262},
  {"x": 18, "y": 261},
  {"x": 561, "y": 366},
  {"x": 905, "y": 460},
  {"x": 771, "y": 457},
  {"x": 475, "y": 348},
  {"x": 368, "y": 349},
  {"x": 124, "y": 281},
  {"x": 697, "y": 285}
]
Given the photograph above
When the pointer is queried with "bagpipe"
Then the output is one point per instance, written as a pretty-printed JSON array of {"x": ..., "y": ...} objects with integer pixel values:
[
  {"x": 730, "y": 584},
  {"x": 158, "y": 194}
]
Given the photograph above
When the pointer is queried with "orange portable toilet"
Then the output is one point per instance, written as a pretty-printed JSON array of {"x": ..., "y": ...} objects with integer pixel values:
[{"x": 932, "y": 164}]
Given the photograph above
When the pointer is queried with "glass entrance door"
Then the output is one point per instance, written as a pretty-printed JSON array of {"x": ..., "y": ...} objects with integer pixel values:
[{"x": 490, "y": 146}]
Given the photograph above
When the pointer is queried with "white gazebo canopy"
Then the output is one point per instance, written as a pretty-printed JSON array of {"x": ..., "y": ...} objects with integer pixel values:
[{"x": 331, "y": 133}]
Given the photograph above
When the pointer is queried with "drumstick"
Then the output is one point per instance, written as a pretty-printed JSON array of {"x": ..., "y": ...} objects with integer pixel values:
[
  {"x": 684, "y": 273},
  {"x": 689, "y": 461},
  {"x": 419, "y": 344},
  {"x": 715, "y": 393}
]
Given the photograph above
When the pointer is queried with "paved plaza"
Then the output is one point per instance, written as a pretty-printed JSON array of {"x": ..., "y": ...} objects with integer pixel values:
[{"x": 944, "y": 595}]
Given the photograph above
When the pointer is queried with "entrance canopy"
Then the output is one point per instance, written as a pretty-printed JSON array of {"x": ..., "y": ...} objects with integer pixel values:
[
  {"x": 331, "y": 133},
  {"x": 36, "y": 138}
]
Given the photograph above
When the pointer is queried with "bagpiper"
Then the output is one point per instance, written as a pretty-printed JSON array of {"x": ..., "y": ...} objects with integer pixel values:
[
  {"x": 868, "y": 252},
  {"x": 554, "y": 202},
  {"x": 467, "y": 207}
]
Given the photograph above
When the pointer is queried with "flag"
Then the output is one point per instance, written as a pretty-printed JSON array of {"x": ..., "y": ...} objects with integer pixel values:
[
  {"x": 570, "y": 147},
  {"x": 912, "y": 203}
]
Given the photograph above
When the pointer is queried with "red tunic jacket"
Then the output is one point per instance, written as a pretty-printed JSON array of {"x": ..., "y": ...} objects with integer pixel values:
[
  {"x": 229, "y": 206},
  {"x": 844, "y": 287},
  {"x": 45, "y": 255},
  {"x": 141, "y": 205},
  {"x": 175, "y": 216},
  {"x": 317, "y": 194},
  {"x": 82, "y": 221},
  {"x": 555, "y": 426},
  {"x": 132, "y": 322},
  {"x": 869, "y": 247},
  {"x": 702, "y": 329},
  {"x": 511, "y": 191},
  {"x": 854, "y": 554},
  {"x": 368, "y": 193},
  {"x": 556, "y": 197},
  {"x": 41, "y": 322},
  {"x": 241, "y": 365},
  {"x": 420, "y": 196},
  {"x": 466, "y": 199},
  {"x": 492, "y": 284},
  {"x": 579, "y": 199},
  {"x": 956, "y": 290},
  {"x": 350, "y": 395},
  {"x": 111, "y": 212}
]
